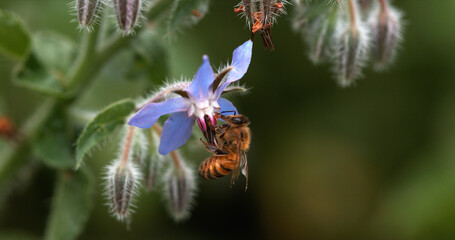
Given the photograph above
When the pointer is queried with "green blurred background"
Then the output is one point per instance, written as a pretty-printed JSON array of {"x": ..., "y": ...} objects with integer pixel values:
[{"x": 374, "y": 161}]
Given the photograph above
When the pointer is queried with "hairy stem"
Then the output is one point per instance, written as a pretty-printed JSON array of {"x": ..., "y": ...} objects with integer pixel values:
[
  {"x": 353, "y": 17},
  {"x": 126, "y": 148},
  {"x": 83, "y": 64},
  {"x": 384, "y": 10},
  {"x": 384, "y": 5}
]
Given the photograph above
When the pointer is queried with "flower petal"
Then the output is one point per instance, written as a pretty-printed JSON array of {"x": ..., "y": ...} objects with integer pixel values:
[
  {"x": 148, "y": 115},
  {"x": 201, "y": 85},
  {"x": 241, "y": 58},
  {"x": 226, "y": 107},
  {"x": 176, "y": 131}
]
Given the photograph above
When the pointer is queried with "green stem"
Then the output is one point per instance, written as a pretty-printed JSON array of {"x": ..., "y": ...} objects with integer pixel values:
[{"x": 84, "y": 60}]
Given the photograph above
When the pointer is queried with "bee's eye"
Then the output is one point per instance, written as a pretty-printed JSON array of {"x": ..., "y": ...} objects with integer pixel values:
[{"x": 237, "y": 120}]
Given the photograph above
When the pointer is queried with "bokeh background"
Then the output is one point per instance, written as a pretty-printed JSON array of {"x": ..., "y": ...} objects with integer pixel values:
[{"x": 373, "y": 161}]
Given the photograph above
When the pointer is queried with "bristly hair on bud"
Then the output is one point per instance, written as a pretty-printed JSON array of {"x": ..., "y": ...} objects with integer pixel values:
[
  {"x": 386, "y": 33},
  {"x": 123, "y": 180},
  {"x": 87, "y": 12},
  {"x": 351, "y": 43},
  {"x": 179, "y": 187},
  {"x": 128, "y": 12}
]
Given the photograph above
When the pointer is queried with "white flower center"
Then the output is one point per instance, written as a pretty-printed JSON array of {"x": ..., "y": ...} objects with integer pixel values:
[{"x": 206, "y": 107}]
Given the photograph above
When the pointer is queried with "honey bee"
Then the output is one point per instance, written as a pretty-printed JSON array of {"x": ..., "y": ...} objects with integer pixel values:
[{"x": 233, "y": 139}]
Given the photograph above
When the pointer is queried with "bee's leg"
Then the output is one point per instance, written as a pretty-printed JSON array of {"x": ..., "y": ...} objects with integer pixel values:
[
  {"x": 205, "y": 143},
  {"x": 214, "y": 149},
  {"x": 210, "y": 147},
  {"x": 221, "y": 152}
]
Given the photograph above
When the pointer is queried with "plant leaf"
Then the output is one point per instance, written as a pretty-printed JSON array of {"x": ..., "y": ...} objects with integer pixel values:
[
  {"x": 14, "y": 37},
  {"x": 53, "y": 145},
  {"x": 54, "y": 51},
  {"x": 71, "y": 205},
  {"x": 45, "y": 69},
  {"x": 186, "y": 13},
  {"x": 101, "y": 126}
]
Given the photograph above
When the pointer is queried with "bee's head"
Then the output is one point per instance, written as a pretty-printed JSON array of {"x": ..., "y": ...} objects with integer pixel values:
[{"x": 238, "y": 120}]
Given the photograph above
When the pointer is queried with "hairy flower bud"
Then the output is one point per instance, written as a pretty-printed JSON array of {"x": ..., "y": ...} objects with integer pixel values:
[
  {"x": 127, "y": 12},
  {"x": 123, "y": 176},
  {"x": 351, "y": 44},
  {"x": 180, "y": 186},
  {"x": 260, "y": 15},
  {"x": 153, "y": 169},
  {"x": 316, "y": 23},
  {"x": 139, "y": 146},
  {"x": 386, "y": 25},
  {"x": 153, "y": 163},
  {"x": 87, "y": 12},
  {"x": 122, "y": 185}
]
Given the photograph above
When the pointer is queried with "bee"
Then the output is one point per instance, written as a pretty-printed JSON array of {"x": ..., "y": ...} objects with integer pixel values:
[{"x": 229, "y": 155}]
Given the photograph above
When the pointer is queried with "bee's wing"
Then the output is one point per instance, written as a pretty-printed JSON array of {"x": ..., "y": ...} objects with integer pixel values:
[
  {"x": 237, "y": 162},
  {"x": 244, "y": 167}
]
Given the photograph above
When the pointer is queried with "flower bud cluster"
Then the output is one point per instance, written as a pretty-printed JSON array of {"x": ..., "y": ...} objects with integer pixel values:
[
  {"x": 139, "y": 160},
  {"x": 349, "y": 33},
  {"x": 127, "y": 12}
]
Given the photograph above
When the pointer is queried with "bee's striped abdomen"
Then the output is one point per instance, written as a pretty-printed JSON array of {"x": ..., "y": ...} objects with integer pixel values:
[{"x": 217, "y": 166}]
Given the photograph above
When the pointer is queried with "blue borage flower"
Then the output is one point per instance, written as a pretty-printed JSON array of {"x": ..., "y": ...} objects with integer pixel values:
[{"x": 199, "y": 101}]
